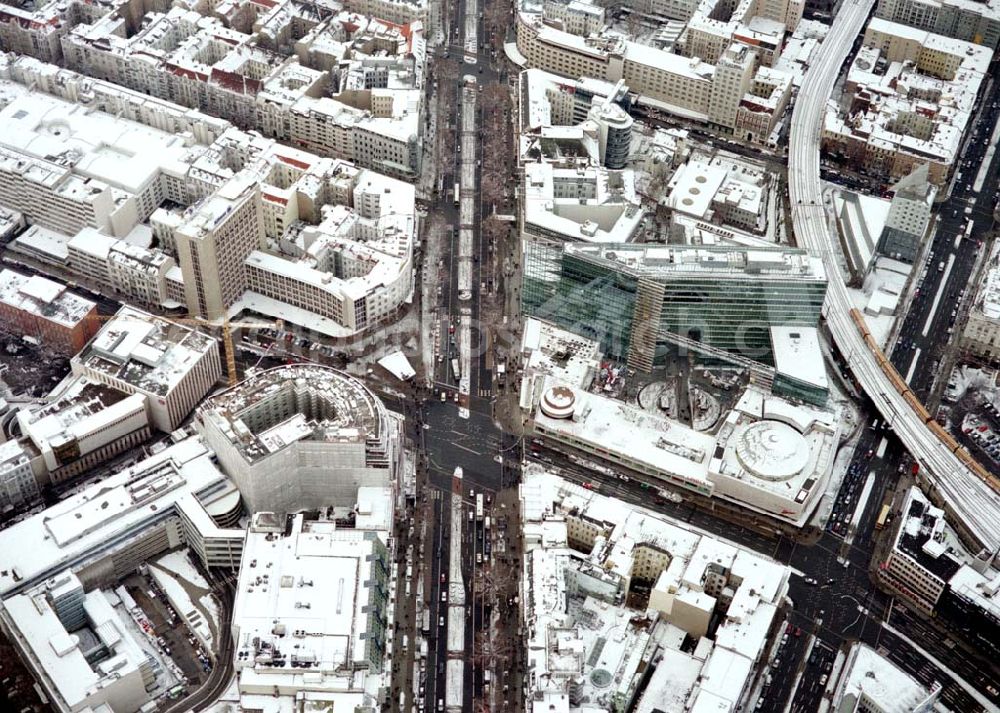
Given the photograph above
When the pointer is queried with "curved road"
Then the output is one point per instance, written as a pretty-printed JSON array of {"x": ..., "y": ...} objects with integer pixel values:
[
  {"x": 222, "y": 673},
  {"x": 973, "y": 502}
]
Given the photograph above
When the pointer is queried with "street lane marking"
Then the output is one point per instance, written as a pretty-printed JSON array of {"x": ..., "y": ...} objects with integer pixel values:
[
  {"x": 940, "y": 291},
  {"x": 913, "y": 364}
]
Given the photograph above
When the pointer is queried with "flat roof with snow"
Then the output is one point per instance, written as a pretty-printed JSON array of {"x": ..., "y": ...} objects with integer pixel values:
[
  {"x": 104, "y": 516},
  {"x": 308, "y": 608},
  {"x": 43, "y": 298}
]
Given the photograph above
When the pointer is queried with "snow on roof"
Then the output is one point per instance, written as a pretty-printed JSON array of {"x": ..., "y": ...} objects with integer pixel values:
[
  {"x": 149, "y": 353},
  {"x": 104, "y": 516},
  {"x": 548, "y": 349},
  {"x": 987, "y": 300},
  {"x": 304, "y": 616},
  {"x": 797, "y": 354},
  {"x": 671, "y": 683},
  {"x": 47, "y": 244},
  {"x": 604, "y": 206},
  {"x": 43, "y": 298},
  {"x": 92, "y": 242},
  {"x": 693, "y": 187},
  {"x": 119, "y": 152},
  {"x": 654, "y": 443},
  {"x": 888, "y": 687},
  {"x": 398, "y": 365},
  {"x": 578, "y": 628},
  {"x": 80, "y": 414},
  {"x": 60, "y": 654},
  {"x": 935, "y": 77},
  {"x": 350, "y": 413},
  {"x": 724, "y": 261}
]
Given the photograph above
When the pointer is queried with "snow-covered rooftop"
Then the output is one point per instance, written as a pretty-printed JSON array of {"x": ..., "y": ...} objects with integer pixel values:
[
  {"x": 547, "y": 349},
  {"x": 85, "y": 526},
  {"x": 872, "y": 682},
  {"x": 62, "y": 654},
  {"x": 151, "y": 354},
  {"x": 582, "y": 551},
  {"x": 44, "y": 298},
  {"x": 797, "y": 354},
  {"x": 342, "y": 410},
  {"x": 308, "y": 609}
]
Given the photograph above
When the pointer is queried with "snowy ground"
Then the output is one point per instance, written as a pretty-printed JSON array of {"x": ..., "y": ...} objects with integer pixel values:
[{"x": 184, "y": 585}]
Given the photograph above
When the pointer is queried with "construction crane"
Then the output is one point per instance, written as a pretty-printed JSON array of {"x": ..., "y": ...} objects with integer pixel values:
[{"x": 194, "y": 321}]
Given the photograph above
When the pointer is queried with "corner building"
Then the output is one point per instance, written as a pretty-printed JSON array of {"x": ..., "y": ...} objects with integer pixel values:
[{"x": 301, "y": 437}]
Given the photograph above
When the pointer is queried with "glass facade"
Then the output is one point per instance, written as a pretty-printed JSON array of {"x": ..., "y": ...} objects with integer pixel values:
[
  {"x": 584, "y": 297},
  {"x": 634, "y": 297}
]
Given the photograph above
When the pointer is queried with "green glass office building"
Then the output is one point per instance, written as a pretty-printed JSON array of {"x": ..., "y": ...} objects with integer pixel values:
[{"x": 641, "y": 301}]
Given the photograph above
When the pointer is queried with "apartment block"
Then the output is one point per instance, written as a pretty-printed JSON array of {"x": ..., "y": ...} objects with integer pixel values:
[
  {"x": 912, "y": 96},
  {"x": 106, "y": 530},
  {"x": 372, "y": 117},
  {"x": 346, "y": 234},
  {"x": 909, "y": 215},
  {"x": 688, "y": 86},
  {"x": 927, "y": 567},
  {"x": 760, "y": 25},
  {"x": 85, "y": 425},
  {"x": 78, "y": 646},
  {"x": 18, "y": 484},
  {"x": 133, "y": 271},
  {"x": 698, "y": 645},
  {"x": 44, "y": 310},
  {"x": 976, "y": 22},
  {"x": 981, "y": 335},
  {"x": 302, "y": 437},
  {"x": 172, "y": 365},
  {"x": 763, "y": 106},
  {"x": 214, "y": 243},
  {"x": 579, "y": 203}
]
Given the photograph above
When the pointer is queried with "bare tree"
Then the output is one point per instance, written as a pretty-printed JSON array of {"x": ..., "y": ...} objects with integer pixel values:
[
  {"x": 494, "y": 97},
  {"x": 637, "y": 9},
  {"x": 659, "y": 176},
  {"x": 497, "y": 15},
  {"x": 492, "y": 185},
  {"x": 446, "y": 69},
  {"x": 494, "y": 230},
  {"x": 446, "y": 148}
]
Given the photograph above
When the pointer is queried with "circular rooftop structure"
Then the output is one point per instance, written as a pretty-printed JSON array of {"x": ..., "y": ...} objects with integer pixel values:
[
  {"x": 558, "y": 402},
  {"x": 772, "y": 450},
  {"x": 601, "y": 678}
]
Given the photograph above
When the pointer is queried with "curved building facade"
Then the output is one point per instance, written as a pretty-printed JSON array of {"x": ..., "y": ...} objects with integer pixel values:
[{"x": 302, "y": 437}]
